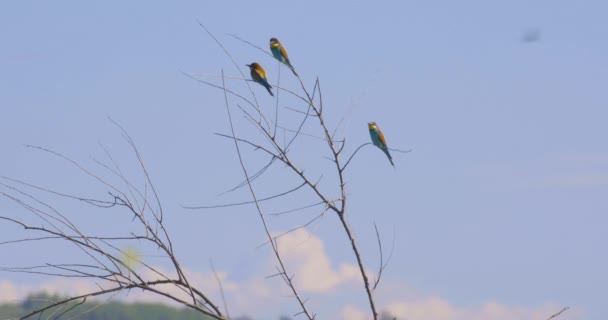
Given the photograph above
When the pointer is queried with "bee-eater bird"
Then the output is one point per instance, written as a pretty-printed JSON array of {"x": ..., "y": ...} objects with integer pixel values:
[
  {"x": 378, "y": 140},
  {"x": 259, "y": 75},
  {"x": 279, "y": 52}
]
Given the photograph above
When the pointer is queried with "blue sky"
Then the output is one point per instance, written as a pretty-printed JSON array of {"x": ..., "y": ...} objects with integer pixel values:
[{"x": 502, "y": 200}]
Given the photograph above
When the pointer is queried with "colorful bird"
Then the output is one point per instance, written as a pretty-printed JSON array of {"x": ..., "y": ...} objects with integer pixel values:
[
  {"x": 259, "y": 75},
  {"x": 378, "y": 140},
  {"x": 279, "y": 52}
]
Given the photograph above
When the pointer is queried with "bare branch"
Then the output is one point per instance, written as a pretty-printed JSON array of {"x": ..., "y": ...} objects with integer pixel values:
[
  {"x": 259, "y": 210},
  {"x": 383, "y": 263},
  {"x": 558, "y": 313},
  {"x": 249, "y": 43},
  {"x": 280, "y": 213},
  {"x": 339, "y": 210},
  {"x": 352, "y": 155},
  {"x": 249, "y": 202},
  {"x": 149, "y": 286},
  {"x": 219, "y": 283}
]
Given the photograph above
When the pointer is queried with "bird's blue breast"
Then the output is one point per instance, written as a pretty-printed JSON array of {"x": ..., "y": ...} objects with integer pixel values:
[
  {"x": 276, "y": 53},
  {"x": 375, "y": 138}
]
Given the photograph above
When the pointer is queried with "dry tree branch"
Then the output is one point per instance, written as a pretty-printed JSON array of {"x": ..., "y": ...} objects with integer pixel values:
[
  {"x": 147, "y": 286},
  {"x": 259, "y": 127},
  {"x": 280, "y": 213},
  {"x": 219, "y": 283},
  {"x": 234, "y": 204},
  {"x": 168, "y": 246},
  {"x": 249, "y": 43},
  {"x": 253, "y": 177},
  {"x": 335, "y": 150},
  {"x": 341, "y": 212},
  {"x": 92, "y": 308},
  {"x": 555, "y": 315},
  {"x": 283, "y": 269},
  {"x": 108, "y": 265},
  {"x": 383, "y": 264},
  {"x": 70, "y": 308},
  {"x": 309, "y": 222},
  {"x": 196, "y": 76},
  {"x": 145, "y": 206},
  {"x": 276, "y": 106},
  {"x": 353, "y": 155},
  {"x": 236, "y": 65}
]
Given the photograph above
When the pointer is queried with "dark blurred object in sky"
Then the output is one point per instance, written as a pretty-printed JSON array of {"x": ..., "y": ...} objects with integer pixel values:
[{"x": 531, "y": 35}]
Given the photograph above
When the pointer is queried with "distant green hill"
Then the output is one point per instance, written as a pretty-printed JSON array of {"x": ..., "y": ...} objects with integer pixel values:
[{"x": 96, "y": 311}]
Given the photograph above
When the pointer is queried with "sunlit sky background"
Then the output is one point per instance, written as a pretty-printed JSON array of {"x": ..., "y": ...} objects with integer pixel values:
[{"x": 502, "y": 202}]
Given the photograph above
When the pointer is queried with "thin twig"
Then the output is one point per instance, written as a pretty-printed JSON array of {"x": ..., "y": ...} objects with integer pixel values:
[
  {"x": 219, "y": 283},
  {"x": 280, "y": 213},
  {"x": 234, "y": 204},
  {"x": 259, "y": 210},
  {"x": 558, "y": 313},
  {"x": 249, "y": 43}
]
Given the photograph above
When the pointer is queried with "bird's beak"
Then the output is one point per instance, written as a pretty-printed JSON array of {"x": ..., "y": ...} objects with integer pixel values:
[{"x": 248, "y": 65}]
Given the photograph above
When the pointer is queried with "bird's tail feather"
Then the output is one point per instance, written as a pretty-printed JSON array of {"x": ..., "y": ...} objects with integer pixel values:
[
  {"x": 389, "y": 156},
  {"x": 269, "y": 88},
  {"x": 293, "y": 70}
]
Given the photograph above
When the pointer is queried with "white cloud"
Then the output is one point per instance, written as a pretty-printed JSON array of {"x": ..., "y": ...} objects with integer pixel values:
[
  {"x": 205, "y": 281},
  {"x": 305, "y": 254},
  {"x": 351, "y": 312},
  {"x": 434, "y": 308},
  {"x": 9, "y": 292},
  {"x": 249, "y": 297}
]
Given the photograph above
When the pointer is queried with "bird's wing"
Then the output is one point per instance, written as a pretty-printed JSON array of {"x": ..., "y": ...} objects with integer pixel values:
[
  {"x": 284, "y": 52},
  {"x": 381, "y": 137},
  {"x": 261, "y": 73}
]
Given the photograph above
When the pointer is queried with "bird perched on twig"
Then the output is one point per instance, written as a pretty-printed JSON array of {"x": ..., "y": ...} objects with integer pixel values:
[
  {"x": 378, "y": 140},
  {"x": 279, "y": 52},
  {"x": 259, "y": 75}
]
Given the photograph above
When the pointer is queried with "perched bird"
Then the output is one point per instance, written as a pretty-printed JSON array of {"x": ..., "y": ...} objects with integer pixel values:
[
  {"x": 279, "y": 52},
  {"x": 378, "y": 140},
  {"x": 259, "y": 75}
]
